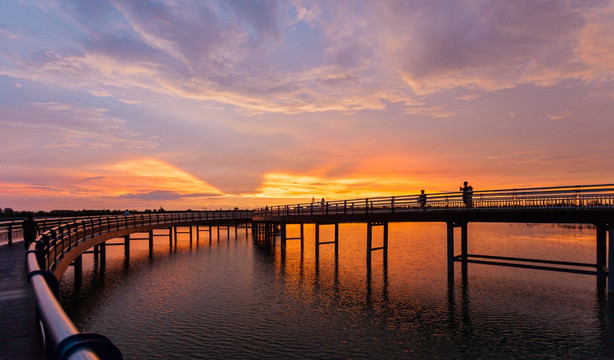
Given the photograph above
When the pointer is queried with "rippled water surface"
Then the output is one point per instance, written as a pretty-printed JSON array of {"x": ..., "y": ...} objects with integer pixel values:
[{"x": 230, "y": 298}]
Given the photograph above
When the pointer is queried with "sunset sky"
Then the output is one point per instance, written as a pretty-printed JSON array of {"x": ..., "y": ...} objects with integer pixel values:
[{"x": 241, "y": 103}]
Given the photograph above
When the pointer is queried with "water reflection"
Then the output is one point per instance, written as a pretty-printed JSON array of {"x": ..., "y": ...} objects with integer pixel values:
[{"x": 229, "y": 297}]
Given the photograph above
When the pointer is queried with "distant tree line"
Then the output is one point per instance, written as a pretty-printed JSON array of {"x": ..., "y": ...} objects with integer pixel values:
[{"x": 8, "y": 213}]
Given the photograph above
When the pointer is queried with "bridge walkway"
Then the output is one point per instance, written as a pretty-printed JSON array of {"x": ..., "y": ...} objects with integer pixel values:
[{"x": 19, "y": 337}]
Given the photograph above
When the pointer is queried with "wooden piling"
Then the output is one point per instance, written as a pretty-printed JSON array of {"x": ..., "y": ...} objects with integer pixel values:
[
  {"x": 450, "y": 248},
  {"x": 611, "y": 259},
  {"x": 127, "y": 245},
  {"x": 302, "y": 238},
  {"x": 317, "y": 233},
  {"x": 602, "y": 255},
  {"x": 283, "y": 235}
]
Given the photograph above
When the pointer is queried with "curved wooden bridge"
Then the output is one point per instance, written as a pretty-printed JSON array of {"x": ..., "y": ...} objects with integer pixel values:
[{"x": 63, "y": 242}]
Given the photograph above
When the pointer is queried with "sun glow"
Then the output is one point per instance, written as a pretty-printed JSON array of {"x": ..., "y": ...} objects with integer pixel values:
[{"x": 280, "y": 185}]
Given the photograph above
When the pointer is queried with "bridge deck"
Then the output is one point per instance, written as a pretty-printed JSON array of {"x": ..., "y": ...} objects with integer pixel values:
[
  {"x": 595, "y": 216},
  {"x": 19, "y": 339}
]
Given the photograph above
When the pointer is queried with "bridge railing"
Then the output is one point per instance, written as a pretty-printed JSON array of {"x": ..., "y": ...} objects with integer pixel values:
[
  {"x": 537, "y": 197},
  {"x": 12, "y": 230},
  {"x": 62, "y": 339}
]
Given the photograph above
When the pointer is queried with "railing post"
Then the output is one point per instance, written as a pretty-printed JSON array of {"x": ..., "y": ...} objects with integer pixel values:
[{"x": 10, "y": 234}]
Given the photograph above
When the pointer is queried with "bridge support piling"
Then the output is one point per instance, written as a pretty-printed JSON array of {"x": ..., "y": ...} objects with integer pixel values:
[
  {"x": 103, "y": 255},
  {"x": 317, "y": 233},
  {"x": 601, "y": 254},
  {"x": 369, "y": 243},
  {"x": 302, "y": 238},
  {"x": 151, "y": 238},
  {"x": 464, "y": 249},
  {"x": 384, "y": 246},
  {"x": 127, "y": 245},
  {"x": 336, "y": 242},
  {"x": 318, "y": 242},
  {"x": 190, "y": 230},
  {"x": 611, "y": 259},
  {"x": 450, "y": 250},
  {"x": 283, "y": 235}
]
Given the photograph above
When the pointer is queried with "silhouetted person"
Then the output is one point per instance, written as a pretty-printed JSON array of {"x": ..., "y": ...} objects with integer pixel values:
[
  {"x": 467, "y": 194},
  {"x": 322, "y": 203},
  {"x": 422, "y": 200},
  {"x": 30, "y": 230},
  {"x": 126, "y": 213}
]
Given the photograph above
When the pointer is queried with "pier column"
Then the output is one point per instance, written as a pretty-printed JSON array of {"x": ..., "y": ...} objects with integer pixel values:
[
  {"x": 450, "y": 249},
  {"x": 336, "y": 241},
  {"x": 127, "y": 245},
  {"x": 369, "y": 242},
  {"x": 302, "y": 238},
  {"x": 282, "y": 230},
  {"x": 103, "y": 255},
  {"x": 385, "y": 249},
  {"x": 601, "y": 253},
  {"x": 464, "y": 249},
  {"x": 151, "y": 238},
  {"x": 611, "y": 259},
  {"x": 317, "y": 241}
]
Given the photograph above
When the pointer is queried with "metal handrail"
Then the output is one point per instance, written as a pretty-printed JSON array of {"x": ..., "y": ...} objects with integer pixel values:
[
  {"x": 536, "y": 197},
  {"x": 62, "y": 339}
]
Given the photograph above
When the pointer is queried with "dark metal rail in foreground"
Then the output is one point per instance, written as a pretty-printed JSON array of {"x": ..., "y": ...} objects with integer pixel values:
[
  {"x": 62, "y": 339},
  {"x": 529, "y": 198}
]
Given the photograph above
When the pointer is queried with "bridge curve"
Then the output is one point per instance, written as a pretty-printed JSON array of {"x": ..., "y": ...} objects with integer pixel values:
[{"x": 52, "y": 252}]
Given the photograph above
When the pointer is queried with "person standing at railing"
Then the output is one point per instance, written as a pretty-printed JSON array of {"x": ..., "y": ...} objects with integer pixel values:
[
  {"x": 467, "y": 194},
  {"x": 422, "y": 200},
  {"x": 30, "y": 230}
]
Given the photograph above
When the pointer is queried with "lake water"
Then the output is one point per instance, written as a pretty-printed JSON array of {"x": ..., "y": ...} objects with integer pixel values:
[{"x": 229, "y": 298}]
